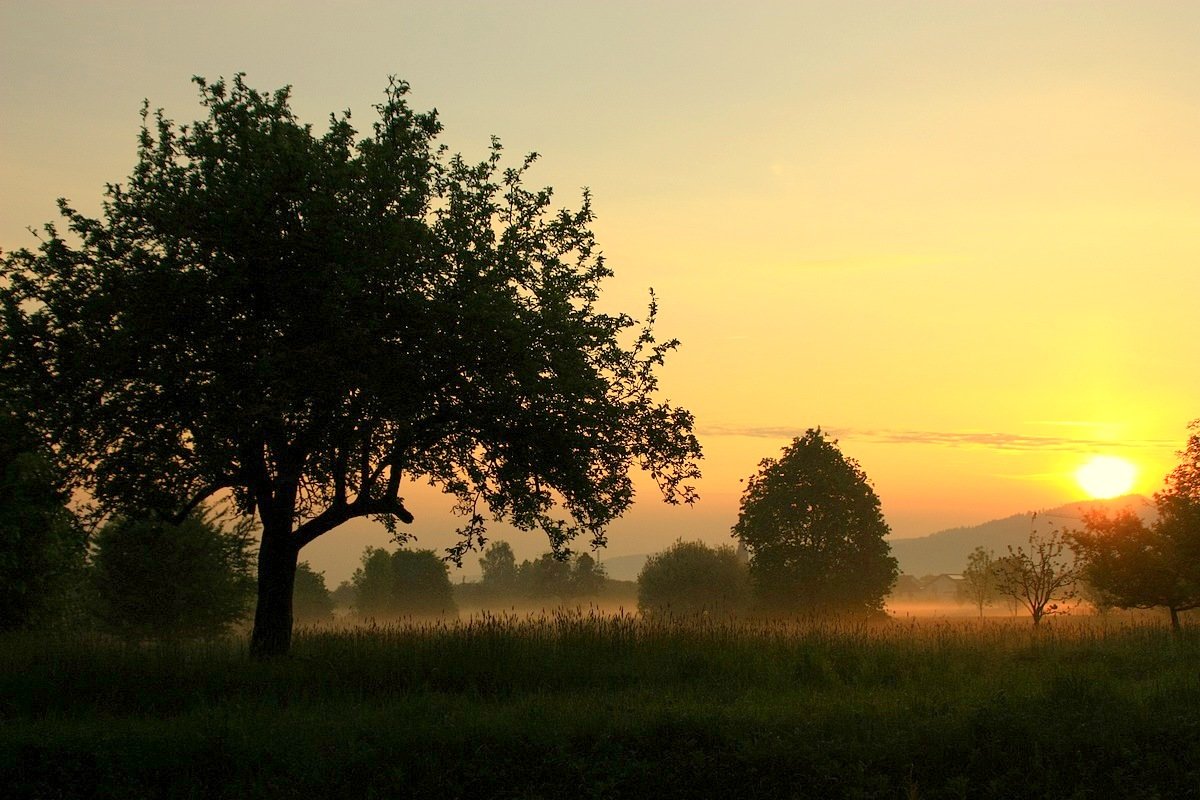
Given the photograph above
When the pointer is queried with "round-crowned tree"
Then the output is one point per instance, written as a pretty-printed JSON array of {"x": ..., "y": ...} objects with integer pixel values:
[
  {"x": 422, "y": 583},
  {"x": 690, "y": 578},
  {"x": 815, "y": 532}
]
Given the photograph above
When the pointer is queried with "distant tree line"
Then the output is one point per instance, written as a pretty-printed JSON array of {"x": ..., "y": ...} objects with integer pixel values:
[
  {"x": 811, "y": 536},
  {"x": 810, "y": 544},
  {"x": 545, "y": 579},
  {"x": 814, "y": 538}
]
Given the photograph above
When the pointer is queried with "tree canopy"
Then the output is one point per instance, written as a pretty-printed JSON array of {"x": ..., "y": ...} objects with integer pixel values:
[
  {"x": 305, "y": 320},
  {"x": 815, "y": 532}
]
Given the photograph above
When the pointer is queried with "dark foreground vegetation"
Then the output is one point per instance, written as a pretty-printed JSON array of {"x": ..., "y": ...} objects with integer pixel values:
[{"x": 589, "y": 706}]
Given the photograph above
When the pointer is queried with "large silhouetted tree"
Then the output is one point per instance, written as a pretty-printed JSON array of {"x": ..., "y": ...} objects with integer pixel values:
[
  {"x": 815, "y": 532},
  {"x": 305, "y": 320}
]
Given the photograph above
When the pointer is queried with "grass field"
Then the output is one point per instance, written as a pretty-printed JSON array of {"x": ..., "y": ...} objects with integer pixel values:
[{"x": 589, "y": 705}]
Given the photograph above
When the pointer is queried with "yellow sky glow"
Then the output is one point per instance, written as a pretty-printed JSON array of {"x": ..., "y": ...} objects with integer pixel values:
[{"x": 918, "y": 225}]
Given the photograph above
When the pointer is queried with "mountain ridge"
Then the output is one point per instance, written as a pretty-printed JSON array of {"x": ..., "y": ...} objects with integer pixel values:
[{"x": 946, "y": 551}]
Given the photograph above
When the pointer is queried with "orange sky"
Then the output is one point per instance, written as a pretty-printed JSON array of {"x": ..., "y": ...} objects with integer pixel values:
[{"x": 963, "y": 237}]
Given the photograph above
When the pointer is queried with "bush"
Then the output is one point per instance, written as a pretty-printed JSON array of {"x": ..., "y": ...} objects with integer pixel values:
[
  {"x": 693, "y": 578},
  {"x": 152, "y": 578}
]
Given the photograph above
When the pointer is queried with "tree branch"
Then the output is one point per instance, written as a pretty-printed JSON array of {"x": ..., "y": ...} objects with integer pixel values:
[
  {"x": 337, "y": 514},
  {"x": 199, "y": 498}
]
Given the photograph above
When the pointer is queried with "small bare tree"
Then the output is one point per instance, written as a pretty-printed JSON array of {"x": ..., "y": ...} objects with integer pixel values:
[
  {"x": 1041, "y": 577},
  {"x": 979, "y": 577}
]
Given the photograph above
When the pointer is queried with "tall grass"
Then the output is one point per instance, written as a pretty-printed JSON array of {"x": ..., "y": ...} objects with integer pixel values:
[{"x": 594, "y": 705}]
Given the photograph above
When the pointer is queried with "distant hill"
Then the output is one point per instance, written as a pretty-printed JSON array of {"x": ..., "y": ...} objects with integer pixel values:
[{"x": 947, "y": 551}]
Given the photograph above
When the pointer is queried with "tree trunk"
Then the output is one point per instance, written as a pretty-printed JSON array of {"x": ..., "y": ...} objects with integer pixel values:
[
  {"x": 276, "y": 579},
  {"x": 1175, "y": 626}
]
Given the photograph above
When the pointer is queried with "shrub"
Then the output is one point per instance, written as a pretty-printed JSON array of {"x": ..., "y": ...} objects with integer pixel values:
[
  {"x": 693, "y": 578},
  {"x": 153, "y": 578}
]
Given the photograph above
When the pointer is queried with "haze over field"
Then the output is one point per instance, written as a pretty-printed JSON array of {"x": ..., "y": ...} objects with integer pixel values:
[{"x": 960, "y": 237}]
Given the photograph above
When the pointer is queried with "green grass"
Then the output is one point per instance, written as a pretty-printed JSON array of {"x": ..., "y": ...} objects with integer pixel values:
[{"x": 576, "y": 705}]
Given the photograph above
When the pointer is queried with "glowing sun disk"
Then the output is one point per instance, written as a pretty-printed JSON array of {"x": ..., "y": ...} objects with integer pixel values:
[{"x": 1106, "y": 476}]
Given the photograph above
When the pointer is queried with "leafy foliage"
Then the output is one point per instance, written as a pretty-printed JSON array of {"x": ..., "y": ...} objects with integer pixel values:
[
  {"x": 307, "y": 320},
  {"x": 402, "y": 583},
  {"x": 1131, "y": 565},
  {"x": 815, "y": 532},
  {"x": 42, "y": 545},
  {"x": 692, "y": 578},
  {"x": 150, "y": 577}
]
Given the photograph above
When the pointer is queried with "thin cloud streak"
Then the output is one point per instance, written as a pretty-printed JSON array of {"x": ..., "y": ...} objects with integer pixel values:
[{"x": 993, "y": 441}]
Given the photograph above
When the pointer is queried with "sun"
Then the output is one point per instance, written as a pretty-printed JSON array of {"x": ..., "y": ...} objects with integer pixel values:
[{"x": 1103, "y": 477}]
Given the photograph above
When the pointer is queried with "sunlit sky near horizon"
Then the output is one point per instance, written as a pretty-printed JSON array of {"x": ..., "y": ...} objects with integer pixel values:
[{"x": 962, "y": 237}]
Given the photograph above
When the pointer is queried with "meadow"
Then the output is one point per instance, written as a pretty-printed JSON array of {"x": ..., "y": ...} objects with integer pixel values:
[{"x": 591, "y": 705}]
